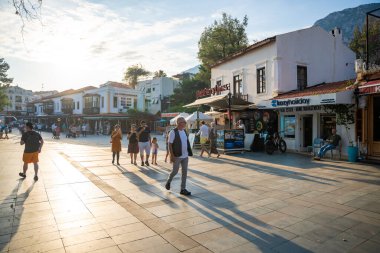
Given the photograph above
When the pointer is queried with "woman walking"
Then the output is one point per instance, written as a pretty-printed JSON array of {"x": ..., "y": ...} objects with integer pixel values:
[
  {"x": 154, "y": 149},
  {"x": 133, "y": 145},
  {"x": 116, "y": 137}
]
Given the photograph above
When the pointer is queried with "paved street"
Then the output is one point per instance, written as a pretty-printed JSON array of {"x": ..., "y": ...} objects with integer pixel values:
[{"x": 241, "y": 203}]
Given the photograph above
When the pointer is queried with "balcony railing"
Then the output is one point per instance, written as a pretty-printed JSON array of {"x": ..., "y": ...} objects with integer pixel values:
[
  {"x": 91, "y": 110},
  {"x": 241, "y": 96}
]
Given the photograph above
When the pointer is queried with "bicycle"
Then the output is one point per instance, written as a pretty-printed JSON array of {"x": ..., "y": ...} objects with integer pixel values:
[{"x": 274, "y": 142}]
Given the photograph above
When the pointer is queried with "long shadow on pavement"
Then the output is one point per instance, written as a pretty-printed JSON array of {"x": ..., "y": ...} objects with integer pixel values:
[{"x": 14, "y": 214}]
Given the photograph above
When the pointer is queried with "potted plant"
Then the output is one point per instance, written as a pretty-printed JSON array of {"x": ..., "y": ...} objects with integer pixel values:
[{"x": 345, "y": 116}]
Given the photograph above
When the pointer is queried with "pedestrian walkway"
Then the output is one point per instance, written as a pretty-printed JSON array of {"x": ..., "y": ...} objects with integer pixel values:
[{"x": 245, "y": 203}]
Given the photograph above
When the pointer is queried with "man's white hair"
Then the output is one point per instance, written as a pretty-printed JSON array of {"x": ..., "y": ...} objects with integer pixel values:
[{"x": 180, "y": 118}]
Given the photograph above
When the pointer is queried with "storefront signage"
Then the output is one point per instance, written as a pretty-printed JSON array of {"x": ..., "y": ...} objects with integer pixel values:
[
  {"x": 291, "y": 102},
  {"x": 212, "y": 91},
  {"x": 169, "y": 114}
]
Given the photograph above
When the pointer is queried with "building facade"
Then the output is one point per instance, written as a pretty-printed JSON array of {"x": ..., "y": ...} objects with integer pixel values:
[
  {"x": 18, "y": 100},
  {"x": 279, "y": 74},
  {"x": 156, "y": 93}
]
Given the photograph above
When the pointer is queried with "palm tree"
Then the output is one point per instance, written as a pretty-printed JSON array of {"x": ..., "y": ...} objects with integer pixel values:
[
  {"x": 160, "y": 73},
  {"x": 133, "y": 73}
]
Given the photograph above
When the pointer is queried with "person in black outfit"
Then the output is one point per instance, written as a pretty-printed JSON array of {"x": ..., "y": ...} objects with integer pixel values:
[
  {"x": 33, "y": 145},
  {"x": 133, "y": 146},
  {"x": 143, "y": 135}
]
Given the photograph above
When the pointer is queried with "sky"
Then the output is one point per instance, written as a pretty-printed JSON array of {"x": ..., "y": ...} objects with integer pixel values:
[{"x": 81, "y": 42}]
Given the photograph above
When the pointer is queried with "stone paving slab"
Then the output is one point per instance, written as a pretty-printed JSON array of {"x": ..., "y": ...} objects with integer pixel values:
[{"x": 242, "y": 203}]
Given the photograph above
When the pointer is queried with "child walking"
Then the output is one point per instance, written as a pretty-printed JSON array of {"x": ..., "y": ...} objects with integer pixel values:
[{"x": 154, "y": 148}]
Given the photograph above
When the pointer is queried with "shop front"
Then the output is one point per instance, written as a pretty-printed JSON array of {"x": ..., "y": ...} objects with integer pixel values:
[
  {"x": 303, "y": 116},
  {"x": 368, "y": 118}
]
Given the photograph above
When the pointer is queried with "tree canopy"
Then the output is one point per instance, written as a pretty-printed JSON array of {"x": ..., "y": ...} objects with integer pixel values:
[
  {"x": 159, "y": 73},
  {"x": 221, "y": 39},
  {"x": 358, "y": 43},
  {"x": 5, "y": 81},
  {"x": 132, "y": 74}
]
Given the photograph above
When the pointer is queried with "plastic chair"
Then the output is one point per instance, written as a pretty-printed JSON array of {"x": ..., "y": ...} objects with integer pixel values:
[
  {"x": 317, "y": 144},
  {"x": 337, "y": 149}
]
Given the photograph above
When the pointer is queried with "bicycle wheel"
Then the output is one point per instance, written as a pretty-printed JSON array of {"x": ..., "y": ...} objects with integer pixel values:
[{"x": 282, "y": 146}]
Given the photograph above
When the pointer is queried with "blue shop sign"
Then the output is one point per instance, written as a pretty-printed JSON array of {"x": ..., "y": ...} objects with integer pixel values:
[{"x": 291, "y": 102}]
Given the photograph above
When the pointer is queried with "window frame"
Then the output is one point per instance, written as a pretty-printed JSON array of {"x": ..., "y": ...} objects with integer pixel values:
[
  {"x": 303, "y": 85},
  {"x": 261, "y": 80}
]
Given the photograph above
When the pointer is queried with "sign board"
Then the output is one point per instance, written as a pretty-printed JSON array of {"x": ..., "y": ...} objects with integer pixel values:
[
  {"x": 169, "y": 114},
  {"x": 212, "y": 91},
  {"x": 191, "y": 139},
  {"x": 344, "y": 97}
]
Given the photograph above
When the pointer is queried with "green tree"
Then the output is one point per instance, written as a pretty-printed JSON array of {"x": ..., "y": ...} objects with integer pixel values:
[
  {"x": 358, "y": 43},
  {"x": 133, "y": 73},
  {"x": 186, "y": 94},
  {"x": 4, "y": 83},
  {"x": 221, "y": 39},
  {"x": 160, "y": 73}
]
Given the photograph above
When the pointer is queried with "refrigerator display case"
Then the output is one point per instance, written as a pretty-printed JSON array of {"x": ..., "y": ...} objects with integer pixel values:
[{"x": 230, "y": 140}]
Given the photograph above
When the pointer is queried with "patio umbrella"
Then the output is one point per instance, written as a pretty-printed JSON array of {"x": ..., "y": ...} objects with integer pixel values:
[{"x": 173, "y": 121}]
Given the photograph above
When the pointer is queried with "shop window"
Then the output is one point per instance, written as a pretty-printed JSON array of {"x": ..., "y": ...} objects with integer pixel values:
[
  {"x": 328, "y": 122},
  {"x": 238, "y": 84},
  {"x": 129, "y": 102},
  {"x": 301, "y": 77},
  {"x": 261, "y": 82},
  {"x": 114, "y": 102},
  {"x": 289, "y": 126}
]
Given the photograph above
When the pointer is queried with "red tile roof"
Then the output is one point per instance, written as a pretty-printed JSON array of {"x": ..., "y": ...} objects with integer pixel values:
[{"x": 318, "y": 89}]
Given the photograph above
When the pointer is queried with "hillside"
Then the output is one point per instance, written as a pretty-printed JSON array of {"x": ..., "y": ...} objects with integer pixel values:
[{"x": 347, "y": 20}]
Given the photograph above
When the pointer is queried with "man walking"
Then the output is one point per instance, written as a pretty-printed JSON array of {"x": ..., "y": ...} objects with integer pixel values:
[
  {"x": 33, "y": 145},
  {"x": 180, "y": 150},
  {"x": 204, "y": 135},
  {"x": 143, "y": 134},
  {"x": 333, "y": 142}
]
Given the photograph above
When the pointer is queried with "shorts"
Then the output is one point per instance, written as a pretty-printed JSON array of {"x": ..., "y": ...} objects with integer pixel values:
[
  {"x": 203, "y": 140},
  {"x": 144, "y": 146},
  {"x": 30, "y": 157}
]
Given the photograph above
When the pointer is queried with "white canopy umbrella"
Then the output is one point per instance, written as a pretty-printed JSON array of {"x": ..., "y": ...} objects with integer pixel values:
[
  {"x": 173, "y": 121},
  {"x": 201, "y": 116}
]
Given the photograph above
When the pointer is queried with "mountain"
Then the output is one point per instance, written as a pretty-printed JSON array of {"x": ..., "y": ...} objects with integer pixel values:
[
  {"x": 347, "y": 20},
  {"x": 193, "y": 70}
]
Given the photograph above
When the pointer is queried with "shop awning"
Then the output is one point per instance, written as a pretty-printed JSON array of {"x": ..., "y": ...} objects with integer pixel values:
[
  {"x": 221, "y": 102},
  {"x": 370, "y": 87}
]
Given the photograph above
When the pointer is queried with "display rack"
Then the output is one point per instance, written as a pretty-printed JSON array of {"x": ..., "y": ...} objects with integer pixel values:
[{"x": 230, "y": 141}]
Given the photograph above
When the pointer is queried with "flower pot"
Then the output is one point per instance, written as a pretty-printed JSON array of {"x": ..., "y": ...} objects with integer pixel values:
[{"x": 352, "y": 153}]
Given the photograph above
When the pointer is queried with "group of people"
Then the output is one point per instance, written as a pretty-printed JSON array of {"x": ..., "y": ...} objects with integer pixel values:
[
  {"x": 207, "y": 138},
  {"x": 140, "y": 141}
]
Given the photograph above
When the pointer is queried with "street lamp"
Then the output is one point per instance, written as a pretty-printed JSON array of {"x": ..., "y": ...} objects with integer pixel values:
[{"x": 229, "y": 109}]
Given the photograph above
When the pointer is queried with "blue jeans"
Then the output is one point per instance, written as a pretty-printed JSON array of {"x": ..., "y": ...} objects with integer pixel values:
[{"x": 324, "y": 149}]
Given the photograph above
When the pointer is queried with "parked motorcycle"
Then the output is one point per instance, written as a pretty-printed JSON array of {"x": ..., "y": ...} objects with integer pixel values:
[{"x": 274, "y": 142}]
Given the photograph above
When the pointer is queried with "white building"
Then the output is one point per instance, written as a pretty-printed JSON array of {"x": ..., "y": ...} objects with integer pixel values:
[
  {"x": 291, "y": 62},
  {"x": 111, "y": 97},
  {"x": 18, "y": 100},
  {"x": 156, "y": 92}
]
